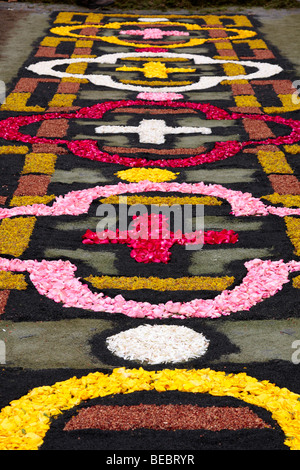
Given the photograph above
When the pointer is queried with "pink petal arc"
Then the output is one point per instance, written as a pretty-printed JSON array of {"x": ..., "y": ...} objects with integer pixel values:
[
  {"x": 56, "y": 280},
  {"x": 78, "y": 202}
]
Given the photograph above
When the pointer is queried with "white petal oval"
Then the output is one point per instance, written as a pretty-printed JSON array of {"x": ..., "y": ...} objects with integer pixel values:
[{"x": 156, "y": 344}]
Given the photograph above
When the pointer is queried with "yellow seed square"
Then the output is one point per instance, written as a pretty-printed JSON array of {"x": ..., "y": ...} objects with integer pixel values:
[
  {"x": 15, "y": 235},
  {"x": 40, "y": 163},
  {"x": 61, "y": 100},
  {"x": 246, "y": 100}
]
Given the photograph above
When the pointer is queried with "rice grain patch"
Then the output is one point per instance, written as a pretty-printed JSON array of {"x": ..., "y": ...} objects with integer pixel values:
[{"x": 156, "y": 344}]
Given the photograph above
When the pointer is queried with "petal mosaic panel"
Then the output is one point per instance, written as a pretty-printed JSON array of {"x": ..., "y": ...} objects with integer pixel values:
[{"x": 190, "y": 118}]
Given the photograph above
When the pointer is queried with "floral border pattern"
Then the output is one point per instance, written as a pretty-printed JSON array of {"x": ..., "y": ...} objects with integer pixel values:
[
  {"x": 9, "y": 129},
  {"x": 56, "y": 281},
  {"x": 25, "y": 422}
]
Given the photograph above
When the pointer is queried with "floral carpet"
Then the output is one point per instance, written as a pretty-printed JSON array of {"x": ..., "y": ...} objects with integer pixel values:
[{"x": 183, "y": 342}]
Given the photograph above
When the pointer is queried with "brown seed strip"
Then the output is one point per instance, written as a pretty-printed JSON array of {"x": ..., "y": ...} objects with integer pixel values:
[
  {"x": 4, "y": 294},
  {"x": 33, "y": 185},
  {"x": 285, "y": 184},
  {"x": 188, "y": 151},
  {"x": 165, "y": 417},
  {"x": 154, "y": 111}
]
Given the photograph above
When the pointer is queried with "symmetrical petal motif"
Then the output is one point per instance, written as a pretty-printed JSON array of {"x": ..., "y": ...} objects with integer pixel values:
[{"x": 119, "y": 110}]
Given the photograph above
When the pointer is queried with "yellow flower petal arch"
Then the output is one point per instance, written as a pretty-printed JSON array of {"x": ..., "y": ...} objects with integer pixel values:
[
  {"x": 25, "y": 422},
  {"x": 68, "y": 31}
]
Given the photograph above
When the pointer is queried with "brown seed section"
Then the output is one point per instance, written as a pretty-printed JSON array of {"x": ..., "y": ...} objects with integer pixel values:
[
  {"x": 281, "y": 87},
  {"x": 165, "y": 417},
  {"x": 285, "y": 184},
  {"x": 135, "y": 150},
  {"x": 29, "y": 85},
  {"x": 55, "y": 128},
  {"x": 4, "y": 294},
  {"x": 154, "y": 111},
  {"x": 32, "y": 185},
  {"x": 257, "y": 129}
]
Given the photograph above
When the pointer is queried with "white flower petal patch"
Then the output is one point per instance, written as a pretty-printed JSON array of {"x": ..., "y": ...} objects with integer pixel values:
[
  {"x": 156, "y": 344},
  {"x": 153, "y": 20},
  {"x": 262, "y": 70},
  {"x": 151, "y": 131}
]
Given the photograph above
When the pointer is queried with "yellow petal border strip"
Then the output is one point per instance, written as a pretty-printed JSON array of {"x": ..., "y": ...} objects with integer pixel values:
[{"x": 25, "y": 422}]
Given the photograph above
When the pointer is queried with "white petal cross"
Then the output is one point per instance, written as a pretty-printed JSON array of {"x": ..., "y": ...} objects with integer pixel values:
[{"x": 151, "y": 131}]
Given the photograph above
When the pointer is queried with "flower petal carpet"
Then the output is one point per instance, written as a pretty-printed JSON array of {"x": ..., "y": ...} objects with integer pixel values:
[{"x": 150, "y": 238}]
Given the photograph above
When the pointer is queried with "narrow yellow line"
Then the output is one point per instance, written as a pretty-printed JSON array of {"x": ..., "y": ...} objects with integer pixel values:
[
  {"x": 155, "y": 83},
  {"x": 156, "y": 283},
  {"x": 293, "y": 232},
  {"x": 156, "y": 59},
  {"x": 162, "y": 201}
]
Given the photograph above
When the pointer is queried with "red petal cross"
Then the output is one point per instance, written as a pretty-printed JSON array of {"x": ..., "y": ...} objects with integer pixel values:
[{"x": 153, "y": 245}]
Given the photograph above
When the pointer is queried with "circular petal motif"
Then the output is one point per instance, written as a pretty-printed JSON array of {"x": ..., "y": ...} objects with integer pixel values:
[{"x": 157, "y": 344}]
